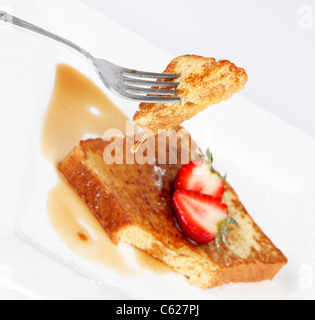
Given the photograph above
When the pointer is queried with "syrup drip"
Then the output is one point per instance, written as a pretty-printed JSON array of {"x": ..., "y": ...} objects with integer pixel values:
[
  {"x": 136, "y": 147},
  {"x": 78, "y": 109}
]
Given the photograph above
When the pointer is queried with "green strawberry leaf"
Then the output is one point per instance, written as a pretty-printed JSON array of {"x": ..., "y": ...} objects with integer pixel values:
[
  {"x": 209, "y": 156},
  {"x": 232, "y": 220},
  {"x": 224, "y": 230}
]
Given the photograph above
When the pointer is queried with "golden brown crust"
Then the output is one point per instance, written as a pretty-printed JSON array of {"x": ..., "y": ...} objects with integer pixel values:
[
  {"x": 114, "y": 193},
  {"x": 203, "y": 82},
  {"x": 133, "y": 204}
]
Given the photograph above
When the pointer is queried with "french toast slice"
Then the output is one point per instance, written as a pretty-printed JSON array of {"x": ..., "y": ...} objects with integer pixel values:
[
  {"x": 133, "y": 203},
  {"x": 203, "y": 82}
]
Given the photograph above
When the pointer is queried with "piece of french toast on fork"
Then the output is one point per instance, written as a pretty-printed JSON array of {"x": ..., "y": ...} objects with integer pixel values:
[{"x": 203, "y": 82}]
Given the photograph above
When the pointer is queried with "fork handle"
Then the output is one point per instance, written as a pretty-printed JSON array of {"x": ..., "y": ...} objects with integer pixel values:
[{"x": 6, "y": 17}]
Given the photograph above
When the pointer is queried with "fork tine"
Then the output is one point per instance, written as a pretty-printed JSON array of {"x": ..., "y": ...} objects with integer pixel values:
[
  {"x": 155, "y": 99},
  {"x": 151, "y": 91},
  {"x": 150, "y": 75},
  {"x": 150, "y": 99},
  {"x": 137, "y": 86},
  {"x": 143, "y": 83}
]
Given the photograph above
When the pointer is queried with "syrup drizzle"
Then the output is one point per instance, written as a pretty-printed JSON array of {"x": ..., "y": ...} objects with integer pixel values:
[
  {"x": 79, "y": 108},
  {"x": 136, "y": 147}
]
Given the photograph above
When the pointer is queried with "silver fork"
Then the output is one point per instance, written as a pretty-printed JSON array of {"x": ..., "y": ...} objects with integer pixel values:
[{"x": 128, "y": 83}]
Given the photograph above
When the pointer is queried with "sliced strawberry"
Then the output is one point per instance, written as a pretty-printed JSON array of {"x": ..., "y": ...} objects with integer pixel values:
[
  {"x": 198, "y": 176},
  {"x": 198, "y": 215}
]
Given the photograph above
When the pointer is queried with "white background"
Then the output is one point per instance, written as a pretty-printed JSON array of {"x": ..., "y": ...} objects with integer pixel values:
[{"x": 269, "y": 38}]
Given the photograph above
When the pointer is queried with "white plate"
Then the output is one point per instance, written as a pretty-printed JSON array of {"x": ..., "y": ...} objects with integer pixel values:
[{"x": 270, "y": 164}]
